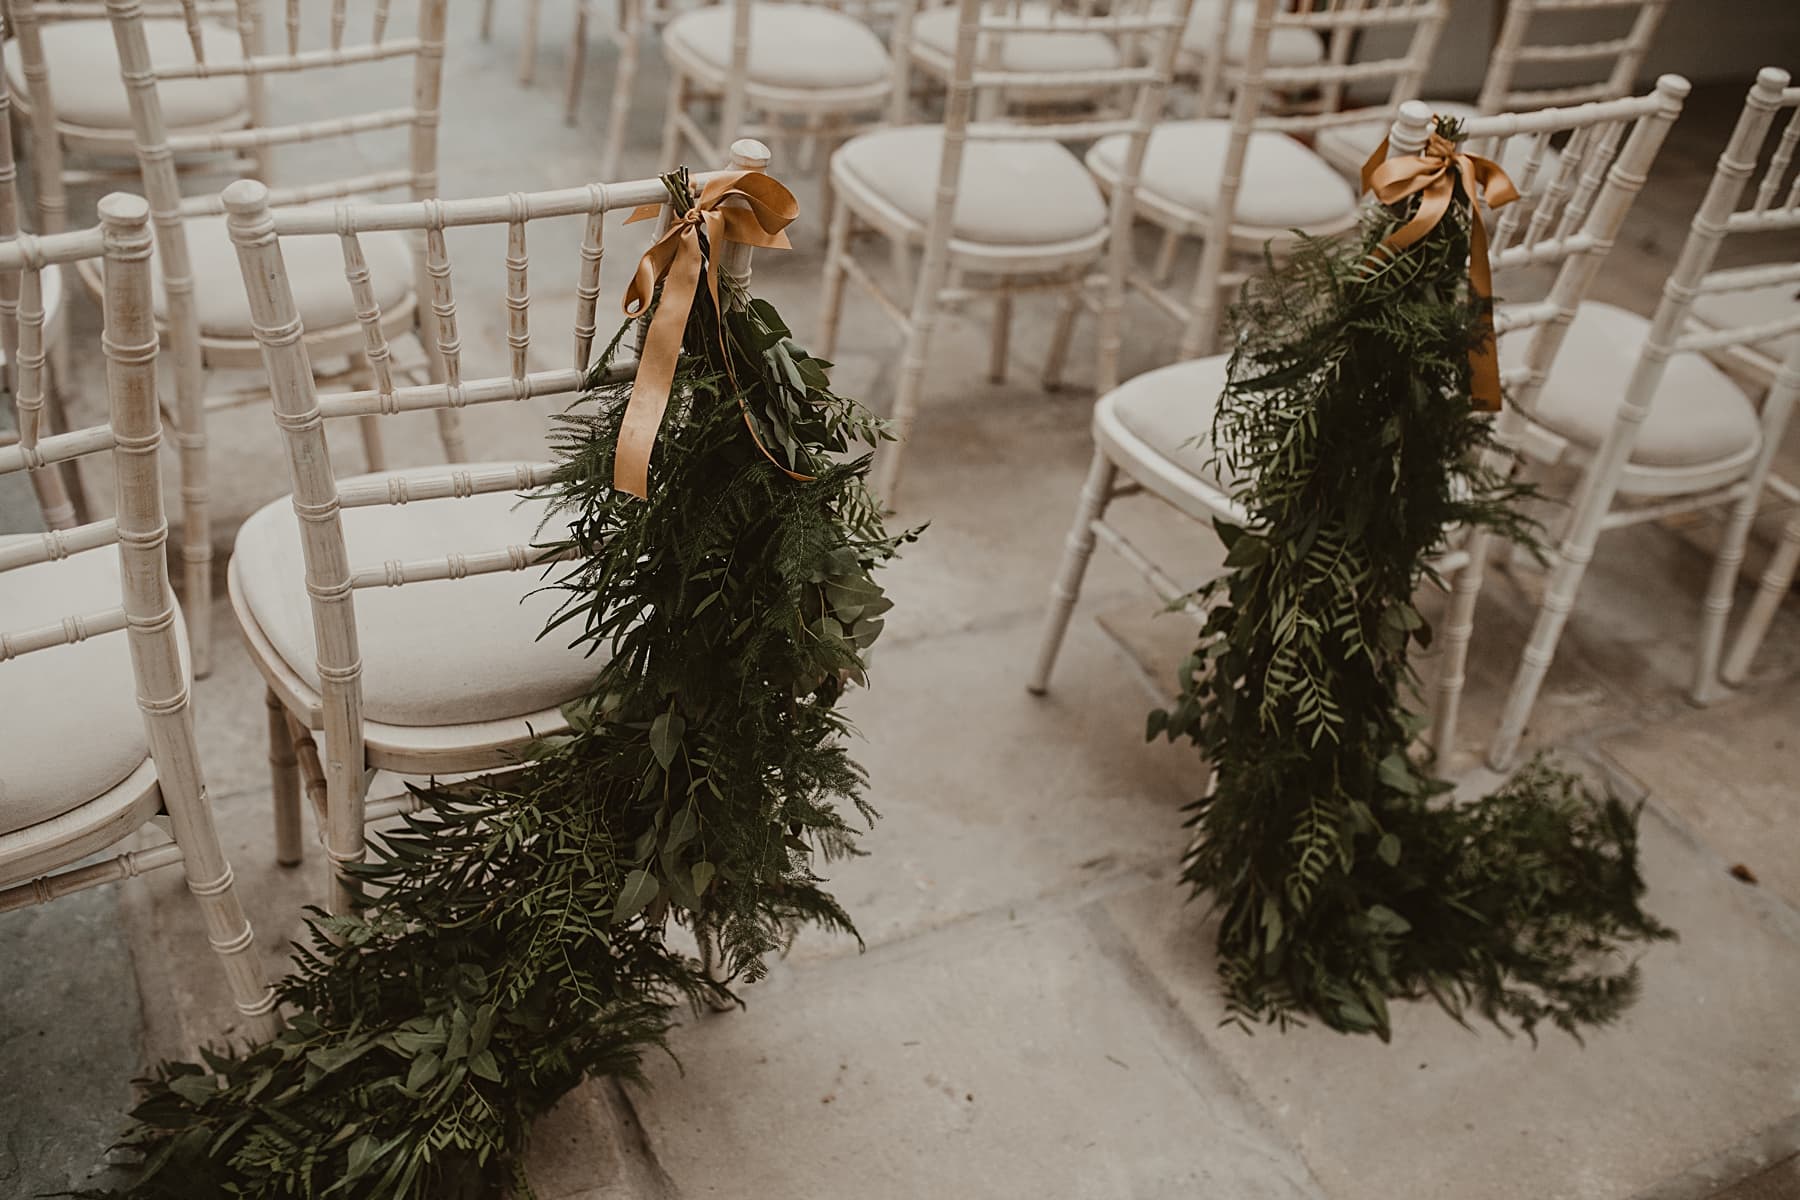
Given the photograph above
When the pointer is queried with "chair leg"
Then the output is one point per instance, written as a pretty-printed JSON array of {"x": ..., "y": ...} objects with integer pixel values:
[
  {"x": 1773, "y": 589},
  {"x": 831, "y": 304},
  {"x": 1165, "y": 258},
  {"x": 1078, "y": 548},
  {"x": 577, "y": 66},
  {"x": 1002, "y": 333},
  {"x": 1459, "y": 626},
  {"x": 1057, "y": 360},
  {"x": 487, "y": 20},
  {"x": 284, "y": 785},
  {"x": 669, "y": 152},
  {"x": 528, "y": 44},
  {"x": 631, "y": 41},
  {"x": 210, "y": 880}
]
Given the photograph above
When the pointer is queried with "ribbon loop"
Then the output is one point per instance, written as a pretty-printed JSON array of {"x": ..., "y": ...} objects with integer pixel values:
[
  {"x": 1431, "y": 175},
  {"x": 675, "y": 261}
]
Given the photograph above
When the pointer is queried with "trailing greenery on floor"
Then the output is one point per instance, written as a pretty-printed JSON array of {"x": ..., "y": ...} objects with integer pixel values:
[
  {"x": 1342, "y": 876},
  {"x": 514, "y": 939}
]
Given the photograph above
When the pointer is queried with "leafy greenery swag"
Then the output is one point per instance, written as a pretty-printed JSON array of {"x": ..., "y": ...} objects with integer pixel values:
[
  {"x": 513, "y": 939},
  {"x": 1341, "y": 876}
]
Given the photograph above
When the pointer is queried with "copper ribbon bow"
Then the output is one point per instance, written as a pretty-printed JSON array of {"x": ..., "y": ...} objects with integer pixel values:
[
  {"x": 1431, "y": 175},
  {"x": 675, "y": 261}
]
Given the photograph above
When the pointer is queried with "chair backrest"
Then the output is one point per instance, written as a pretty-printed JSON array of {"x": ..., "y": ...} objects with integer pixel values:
[
  {"x": 1573, "y": 199},
  {"x": 54, "y": 502},
  {"x": 332, "y": 579},
  {"x": 26, "y": 18},
  {"x": 1252, "y": 81},
  {"x": 1774, "y": 206},
  {"x": 132, "y": 436},
  {"x": 1615, "y": 60}
]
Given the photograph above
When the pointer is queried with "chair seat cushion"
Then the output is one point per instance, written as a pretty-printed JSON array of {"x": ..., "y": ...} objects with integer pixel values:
[
  {"x": 70, "y": 727},
  {"x": 1163, "y": 419},
  {"x": 1285, "y": 185},
  {"x": 936, "y": 30},
  {"x": 1287, "y": 47},
  {"x": 1025, "y": 193},
  {"x": 1698, "y": 415},
  {"x": 449, "y": 652},
  {"x": 791, "y": 45},
  {"x": 83, "y": 63},
  {"x": 315, "y": 269},
  {"x": 1754, "y": 306}
]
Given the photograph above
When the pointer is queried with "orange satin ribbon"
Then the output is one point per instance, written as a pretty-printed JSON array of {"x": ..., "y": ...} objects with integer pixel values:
[
  {"x": 675, "y": 262},
  {"x": 1431, "y": 176}
]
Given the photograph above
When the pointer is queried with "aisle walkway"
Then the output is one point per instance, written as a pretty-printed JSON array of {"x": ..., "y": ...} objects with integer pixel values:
[{"x": 1036, "y": 1013}]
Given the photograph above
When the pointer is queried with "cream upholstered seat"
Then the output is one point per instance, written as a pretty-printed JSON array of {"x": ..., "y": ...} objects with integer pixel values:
[
  {"x": 934, "y": 31},
  {"x": 1010, "y": 194},
  {"x": 451, "y": 652},
  {"x": 1699, "y": 416},
  {"x": 83, "y": 64},
  {"x": 72, "y": 728},
  {"x": 317, "y": 275},
  {"x": 791, "y": 45},
  {"x": 1158, "y": 426},
  {"x": 1285, "y": 185}
]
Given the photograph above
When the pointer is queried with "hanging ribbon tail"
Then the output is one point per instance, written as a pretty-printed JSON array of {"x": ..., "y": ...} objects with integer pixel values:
[
  {"x": 675, "y": 261},
  {"x": 1431, "y": 176}
]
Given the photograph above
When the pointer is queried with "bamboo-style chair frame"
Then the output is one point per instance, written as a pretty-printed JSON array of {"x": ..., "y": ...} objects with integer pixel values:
[
  {"x": 54, "y": 139},
  {"x": 30, "y": 385},
  {"x": 1739, "y": 480},
  {"x": 952, "y": 272},
  {"x": 336, "y": 781},
  {"x": 1223, "y": 234},
  {"x": 41, "y": 862},
  {"x": 748, "y": 108},
  {"x": 1575, "y": 215},
  {"x": 1616, "y": 62},
  {"x": 158, "y": 148}
]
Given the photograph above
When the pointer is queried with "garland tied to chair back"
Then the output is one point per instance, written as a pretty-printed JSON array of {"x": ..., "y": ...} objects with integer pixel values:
[
  {"x": 1341, "y": 875},
  {"x": 513, "y": 939}
]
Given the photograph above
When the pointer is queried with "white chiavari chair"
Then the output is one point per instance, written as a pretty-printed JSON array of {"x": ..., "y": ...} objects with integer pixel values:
[
  {"x": 97, "y": 742},
  {"x": 1155, "y": 430},
  {"x": 56, "y": 501},
  {"x": 1537, "y": 61},
  {"x": 396, "y": 614},
  {"x": 1245, "y": 184},
  {"x": 991, "y": 204},
  {"x": 200, "y": 305},
  {"x": 1680, "y": 434},
  {"x": 770, "y": 69},
  {"x": 63, "y": 66}
]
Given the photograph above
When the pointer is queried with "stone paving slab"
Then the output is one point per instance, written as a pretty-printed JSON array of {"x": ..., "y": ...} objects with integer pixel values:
[
  {"x": 1709, "y": 1056},
  {"x": 1005, "y": 1058}
]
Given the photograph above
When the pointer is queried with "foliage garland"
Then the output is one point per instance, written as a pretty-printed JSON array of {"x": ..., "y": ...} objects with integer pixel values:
[
  {"x": 513, "y": 940},
  {"x": 1341, "y": 877}
]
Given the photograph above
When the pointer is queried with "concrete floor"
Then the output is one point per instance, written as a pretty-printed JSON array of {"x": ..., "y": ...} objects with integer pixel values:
[{"x": 1036, "y": 1013}]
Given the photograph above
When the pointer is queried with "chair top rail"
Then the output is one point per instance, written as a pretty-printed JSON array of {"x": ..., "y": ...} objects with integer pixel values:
[
  {"x": 1553, "y": 52},
  {"x": 1557, "y": 119},
  {"x": 95, "y": 10},
  {"x": 1359, "y": 18},
  {"x": 305, "y": 60},
  {"x": 34, "y": 252},
  {"x": 400, "y": 216}
]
